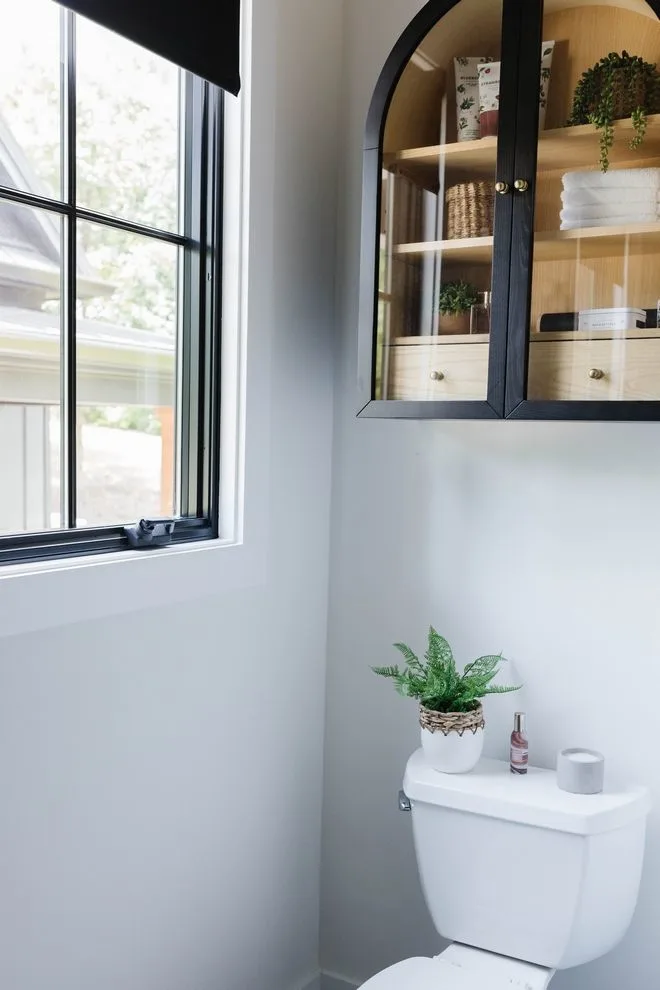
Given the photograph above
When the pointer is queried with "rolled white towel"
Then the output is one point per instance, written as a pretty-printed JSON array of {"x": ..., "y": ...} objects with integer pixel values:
[
  {"x": 610, "y": 210},
  {"x": 597, "y": 197},
  {"x": 620, "y": 178},
  {"x": 609, "y": 221}
]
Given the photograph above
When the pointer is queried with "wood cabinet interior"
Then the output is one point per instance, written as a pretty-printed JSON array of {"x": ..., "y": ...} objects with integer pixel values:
[
  {"x": 414, "y": 117},
  {"x": 573, "y": 270},
  {"x": 625, "y": 272}
]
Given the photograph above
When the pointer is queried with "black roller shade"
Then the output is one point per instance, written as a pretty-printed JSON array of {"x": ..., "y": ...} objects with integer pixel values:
[{"x": 199, "y": 35}]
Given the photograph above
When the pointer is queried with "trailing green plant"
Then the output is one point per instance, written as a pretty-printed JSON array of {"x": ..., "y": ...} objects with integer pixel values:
[
  {"x": 456, "y": 297},
  {"x": 435, "y": 681},
  {"x": 617, "y": 86}
]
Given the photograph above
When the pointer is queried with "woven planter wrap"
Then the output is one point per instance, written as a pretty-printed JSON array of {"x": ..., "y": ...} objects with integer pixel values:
[
  {"x": 470, "y": 210},
  {"x": 625, "y": 98},
  {"x": 447, "y": 722}
]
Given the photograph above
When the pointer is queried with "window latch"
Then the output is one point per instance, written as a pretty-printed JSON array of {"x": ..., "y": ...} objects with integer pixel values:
[{"x": 149, "y": 534}]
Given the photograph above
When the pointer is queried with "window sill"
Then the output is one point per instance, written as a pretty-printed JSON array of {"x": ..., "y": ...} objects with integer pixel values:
[{"x": 39, "y": 596}]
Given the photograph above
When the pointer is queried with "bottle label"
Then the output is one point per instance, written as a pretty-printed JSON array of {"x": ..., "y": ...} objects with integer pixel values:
[{"x": 519, "y": 754}]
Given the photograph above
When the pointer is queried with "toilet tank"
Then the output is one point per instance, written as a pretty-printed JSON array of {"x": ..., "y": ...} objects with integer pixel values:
[{"x": 513, "y": 865}]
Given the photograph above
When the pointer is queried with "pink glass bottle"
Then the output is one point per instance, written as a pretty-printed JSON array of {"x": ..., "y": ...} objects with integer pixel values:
[{"x": 519, "y": 744}]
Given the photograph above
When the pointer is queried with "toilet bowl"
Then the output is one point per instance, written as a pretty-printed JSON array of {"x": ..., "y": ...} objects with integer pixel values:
[
  {"x": 461, "y": 967},
  {"x": 549, "y": 879}
]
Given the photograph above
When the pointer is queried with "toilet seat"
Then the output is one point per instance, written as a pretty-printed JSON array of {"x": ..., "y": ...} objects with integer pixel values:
[{"x": 460, "y": 967}]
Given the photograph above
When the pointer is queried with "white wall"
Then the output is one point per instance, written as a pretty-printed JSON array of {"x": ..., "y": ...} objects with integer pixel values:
[
  {"x": 542, "y": 540},
  {"x": 160, "y": 771}
]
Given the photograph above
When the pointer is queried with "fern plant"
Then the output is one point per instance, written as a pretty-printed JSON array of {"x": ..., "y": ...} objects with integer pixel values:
[{"x": 435, "y": 681}]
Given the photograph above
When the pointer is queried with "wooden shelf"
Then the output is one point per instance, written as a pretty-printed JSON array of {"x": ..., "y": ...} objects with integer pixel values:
[
  {"x": 645, "y": 333},
  {"x": 597, "y": 242},
  {"x": 560, "y": 149},
  {"x": 475, "y": 157},
  {"x": 552, "y": 245},
  {"x": 446, "y": 338},
  {"x": 472, "y": 250},
  {"x": 442, "y": 340}
]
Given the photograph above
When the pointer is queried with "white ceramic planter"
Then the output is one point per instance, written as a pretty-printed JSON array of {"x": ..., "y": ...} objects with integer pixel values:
[
  {"x": 452, "y": 753},
  {"x": 456, "y": 742}
]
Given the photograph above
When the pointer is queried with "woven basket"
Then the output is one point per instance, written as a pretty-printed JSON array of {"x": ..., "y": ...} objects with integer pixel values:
[
  {"x": 470, "y": 209},
  {"x": 446, "y": 722}
]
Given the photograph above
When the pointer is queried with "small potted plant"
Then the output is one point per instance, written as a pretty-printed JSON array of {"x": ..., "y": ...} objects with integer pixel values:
[
  {"x": 454, "y": 302},
  {"x": 616, "y": 87},
  {"x": 450, "y": 712}
]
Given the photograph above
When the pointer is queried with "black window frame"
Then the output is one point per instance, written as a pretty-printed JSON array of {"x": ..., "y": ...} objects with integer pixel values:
[{"x": 198, "y": 350}]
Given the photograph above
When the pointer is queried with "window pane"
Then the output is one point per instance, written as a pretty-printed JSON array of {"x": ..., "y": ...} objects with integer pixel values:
[
  {"x": 30, "y": 97},
  {"x": 30, "y": 334},
  {"x": 128, "y": 129},
  {"x": 127, "y": 317}
]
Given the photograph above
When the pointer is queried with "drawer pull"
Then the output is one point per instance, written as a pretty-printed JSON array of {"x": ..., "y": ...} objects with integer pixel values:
[
  {"x": 521, "y": 185},
  {"x": 502, "y": 188},
  {"x": 436, "y": 376},
  {"x": 596, "y": 374}
]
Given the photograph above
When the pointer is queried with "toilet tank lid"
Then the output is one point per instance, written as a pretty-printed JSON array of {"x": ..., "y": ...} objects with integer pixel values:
[{"x": 531, "y": 799}]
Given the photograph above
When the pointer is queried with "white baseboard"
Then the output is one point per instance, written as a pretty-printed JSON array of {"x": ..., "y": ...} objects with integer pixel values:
[{"x": 331, "y": 982}]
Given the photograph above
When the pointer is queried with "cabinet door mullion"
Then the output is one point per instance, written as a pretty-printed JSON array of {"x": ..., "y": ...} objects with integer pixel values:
[
  {"x": 526, "y": 150},
  {"x": 502, "y": 245}
]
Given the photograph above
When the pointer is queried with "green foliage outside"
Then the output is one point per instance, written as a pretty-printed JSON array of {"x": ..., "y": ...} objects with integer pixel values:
[
  {"x": 139, "y": 418},
  {"x": 127, "y": 166},
  {"x": 435, "y": 681}
]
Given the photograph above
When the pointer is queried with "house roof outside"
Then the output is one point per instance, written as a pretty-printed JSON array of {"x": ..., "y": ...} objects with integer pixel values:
[
  {"x": 30, "y": 239},
  {"x": 117, "y": 365}
]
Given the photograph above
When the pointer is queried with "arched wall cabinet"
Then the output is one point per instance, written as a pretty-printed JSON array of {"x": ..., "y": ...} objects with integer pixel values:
[{"x": 554, "y": 278}]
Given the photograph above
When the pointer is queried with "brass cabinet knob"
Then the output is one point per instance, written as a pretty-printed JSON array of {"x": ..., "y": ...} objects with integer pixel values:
[
  {"x": 436, "y": 376},
  {"x": 502, "y": 188},
  {"x": 596, "y": 374},
  {"x": 521, "y": 185}
]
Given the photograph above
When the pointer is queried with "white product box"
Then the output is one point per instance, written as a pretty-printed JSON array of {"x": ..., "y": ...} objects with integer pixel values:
[{"x": 616, "y": 318}]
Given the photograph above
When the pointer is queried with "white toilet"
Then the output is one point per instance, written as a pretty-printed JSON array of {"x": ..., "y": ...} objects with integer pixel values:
[{"x": 522, "y": 878}]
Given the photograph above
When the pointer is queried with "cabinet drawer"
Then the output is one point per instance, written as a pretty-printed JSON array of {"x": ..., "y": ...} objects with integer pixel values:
[
  {"x": 438, "y": 371},
  {"x": 561, "y": 369}
]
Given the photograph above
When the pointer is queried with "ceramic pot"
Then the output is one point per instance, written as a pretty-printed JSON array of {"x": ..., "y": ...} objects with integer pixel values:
[
  {"x": 452, "y": 741},
  {"x": 454, "y": 322}
]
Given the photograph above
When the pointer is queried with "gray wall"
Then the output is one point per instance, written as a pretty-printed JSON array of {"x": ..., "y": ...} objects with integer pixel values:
[
  {"x": 538, "y": 539},
  {"x": 161, "y": 771}
]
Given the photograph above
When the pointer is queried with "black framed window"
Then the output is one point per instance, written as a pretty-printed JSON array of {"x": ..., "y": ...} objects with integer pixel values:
[{"x": 110, "y": 277}]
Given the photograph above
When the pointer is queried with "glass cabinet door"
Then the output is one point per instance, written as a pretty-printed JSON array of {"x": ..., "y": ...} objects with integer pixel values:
[
  {"x": 592, "y": 319},
  {"x": 440, "y": 219}
]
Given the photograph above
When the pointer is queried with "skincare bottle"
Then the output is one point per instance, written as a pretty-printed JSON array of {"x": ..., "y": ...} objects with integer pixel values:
[{"x": 519, "y": 745}]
